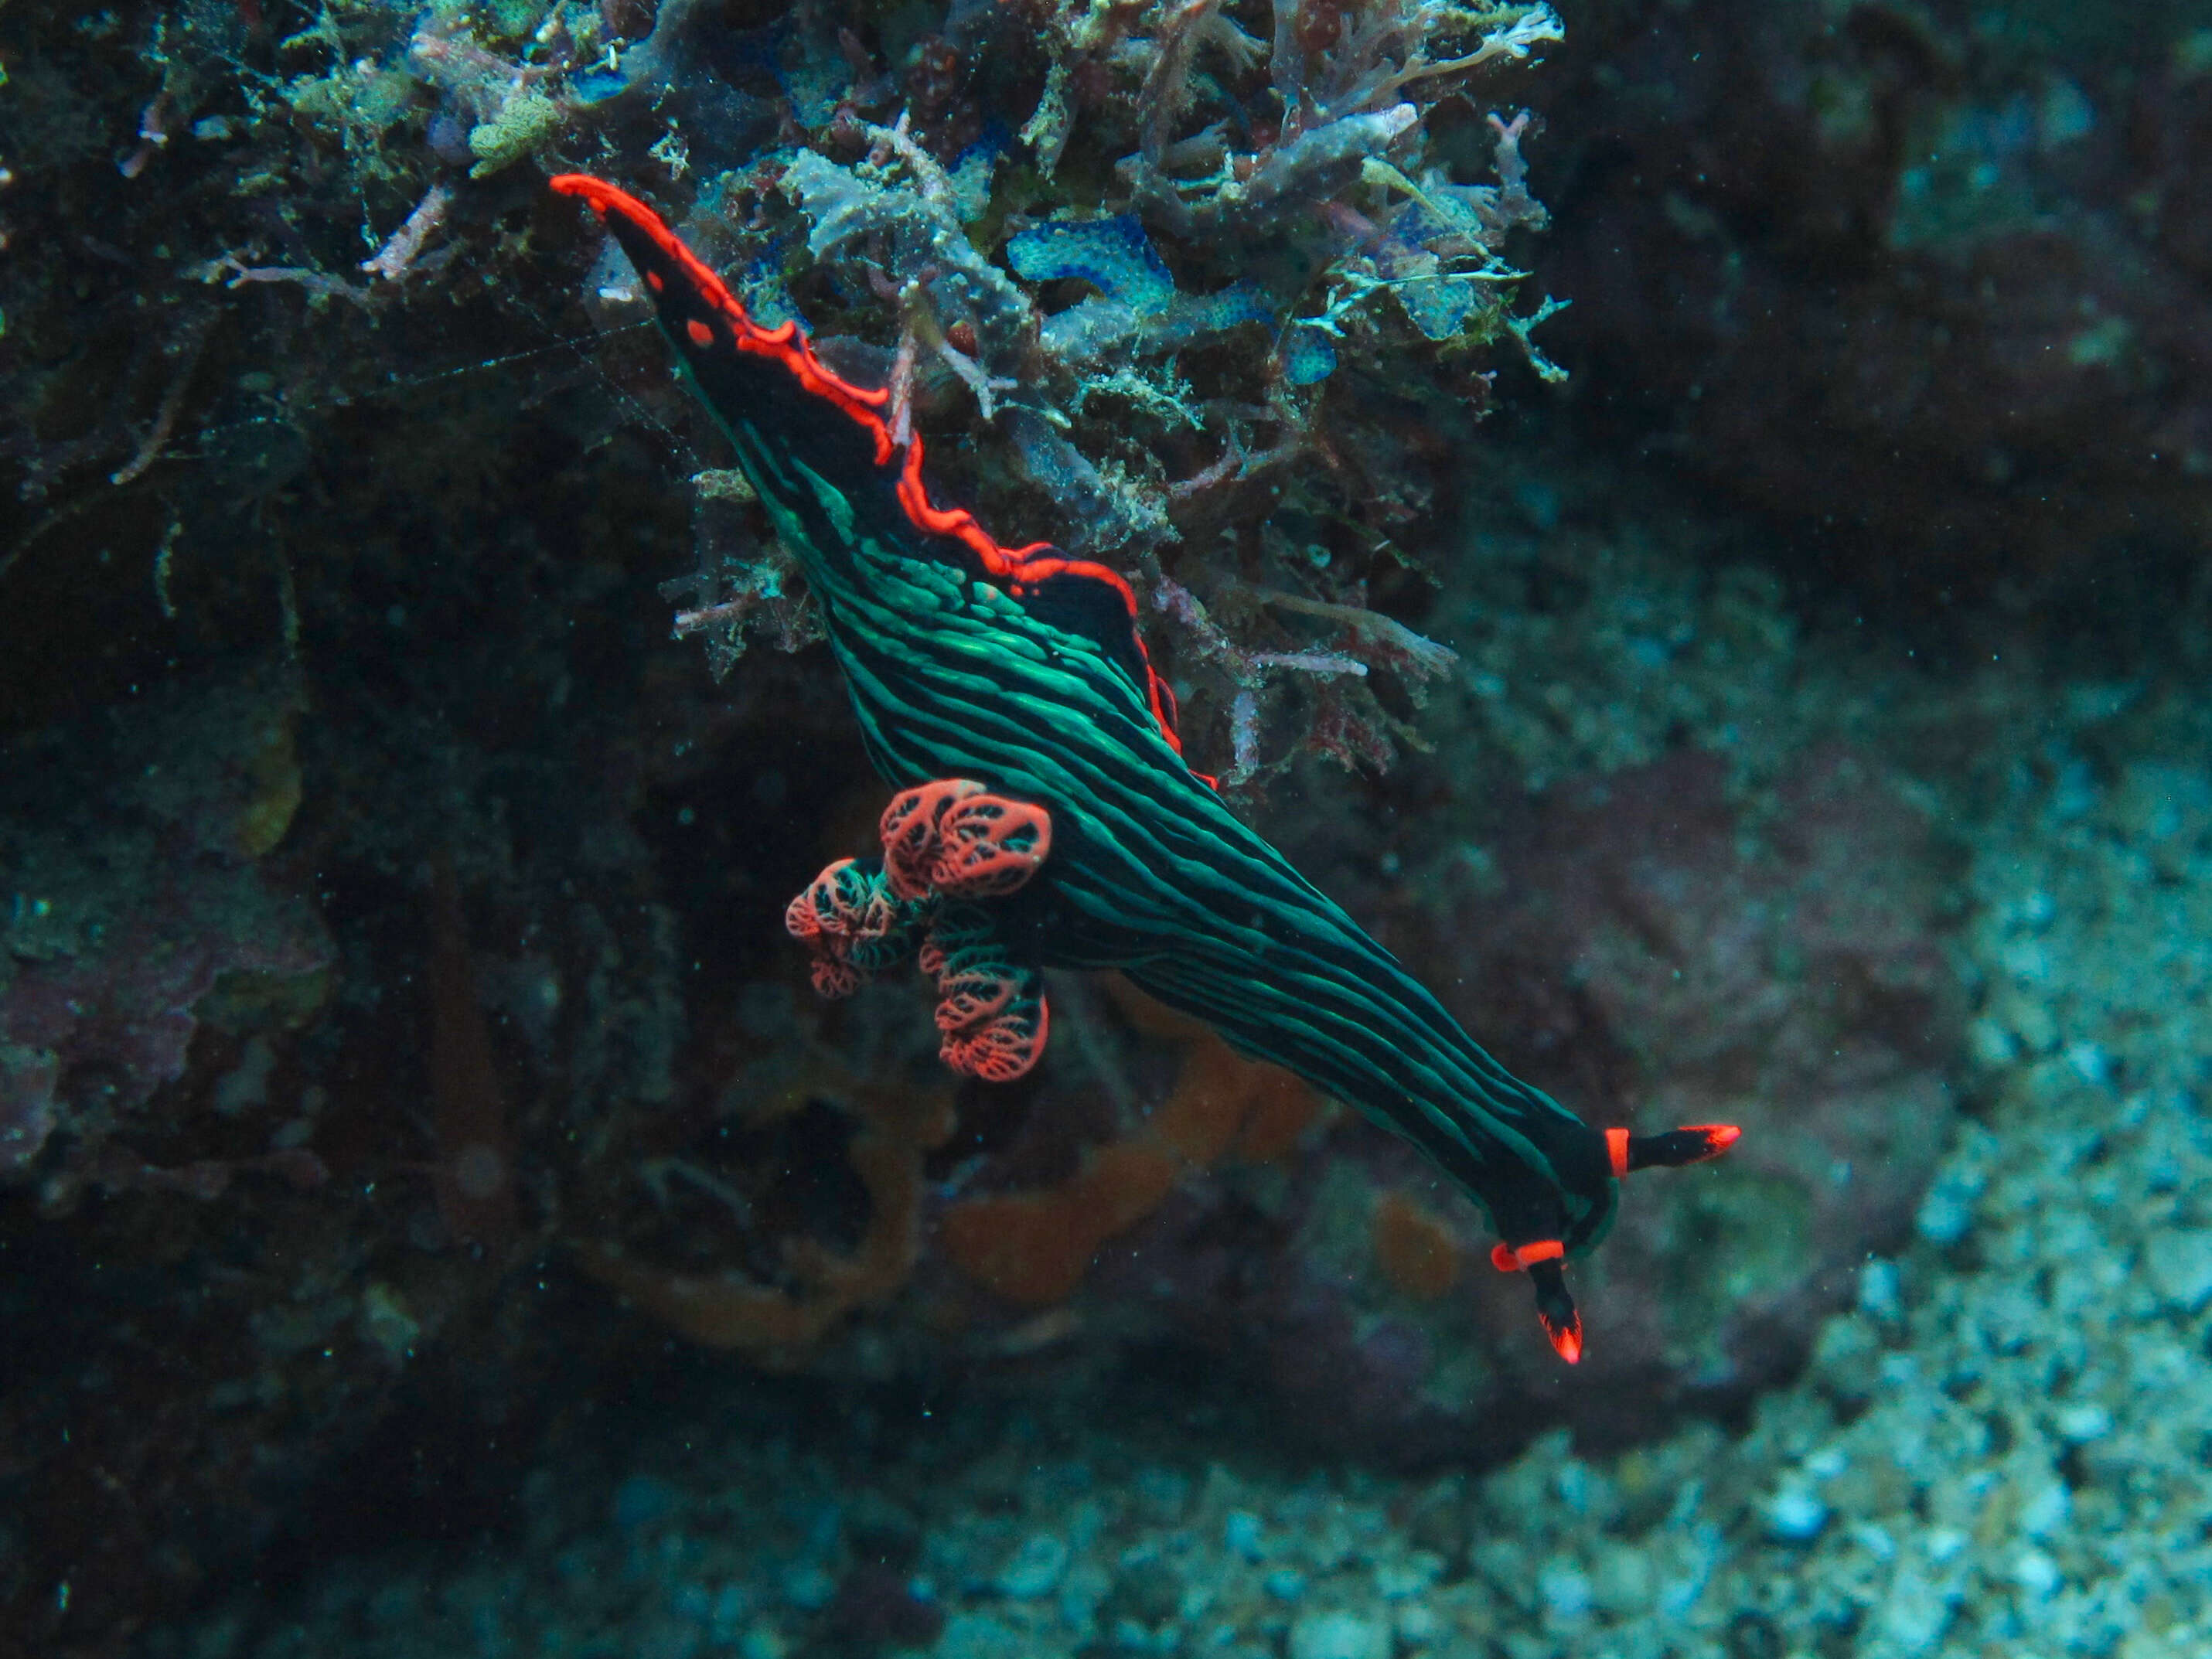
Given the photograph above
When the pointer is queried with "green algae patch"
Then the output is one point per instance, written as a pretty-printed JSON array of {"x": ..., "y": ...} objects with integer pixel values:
[{"x": 524, "y": 122}]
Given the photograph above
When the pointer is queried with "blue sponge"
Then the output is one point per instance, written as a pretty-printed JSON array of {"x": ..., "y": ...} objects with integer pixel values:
[
  {"x": 1309, "y": 355},
  {"x": 1114, "y": 256}
]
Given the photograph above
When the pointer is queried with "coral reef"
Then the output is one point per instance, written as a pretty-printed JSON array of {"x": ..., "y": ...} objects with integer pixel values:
[
  {"x": 1234, "y": 267},
  {"x": 1278, "y": 228},
  {"x": 1416, "y": 1248},
  {"x": 1994, "y": 1448},
  {"x": 130, "y": 925},
  {"x": 1920, "y": 281},
  {"x": 390, "y": 912}
]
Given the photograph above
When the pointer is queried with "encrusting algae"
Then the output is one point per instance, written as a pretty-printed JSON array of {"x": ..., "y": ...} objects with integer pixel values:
[
  {"x": 1034, "y": 1248},
  {"x": 776, "y": 1328}
]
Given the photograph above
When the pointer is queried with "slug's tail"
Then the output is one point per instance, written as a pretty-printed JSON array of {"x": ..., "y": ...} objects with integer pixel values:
[
  {"x": 1693, "y": 1144},
  {"x": 1541, "y": 1259}
]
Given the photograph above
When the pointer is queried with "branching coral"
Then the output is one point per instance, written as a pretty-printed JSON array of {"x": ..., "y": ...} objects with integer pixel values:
[
  {"x": 1336, "y": 730},
  {"x": 741, "y": 584},
  {"x": 1281, "y": 218},
  {"x": 1237, "y": 203}
]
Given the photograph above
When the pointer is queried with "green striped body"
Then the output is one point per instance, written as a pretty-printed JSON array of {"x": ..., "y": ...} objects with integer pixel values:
[{"x": 1022, "y": 670}]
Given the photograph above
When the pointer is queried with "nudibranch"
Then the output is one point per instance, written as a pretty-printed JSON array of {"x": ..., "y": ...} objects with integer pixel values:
[{"x": 1045, "y": 816}]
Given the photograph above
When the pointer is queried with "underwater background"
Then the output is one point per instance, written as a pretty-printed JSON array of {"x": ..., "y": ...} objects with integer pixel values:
[{"x": 1688, "y": 519}]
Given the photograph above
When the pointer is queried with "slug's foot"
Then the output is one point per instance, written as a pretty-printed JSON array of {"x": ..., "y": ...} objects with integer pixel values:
[
  {"x": 946, "y": 844},
  {"x": 1541, "y": 1259}
]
